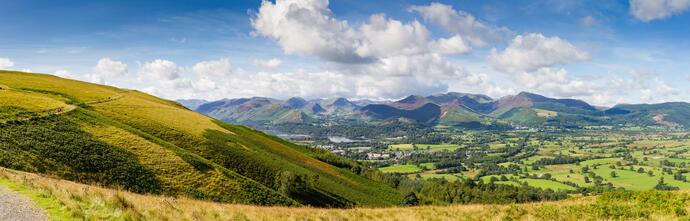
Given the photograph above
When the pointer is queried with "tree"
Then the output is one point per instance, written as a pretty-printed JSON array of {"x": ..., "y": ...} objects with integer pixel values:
[
  {"x": 290, "y": 183},
  {"x": 493, "y": 179},
  {"x": 661, "y": 185},
  {"x": 640, "y": 170},
  {"x": 650, "y": 173},
  {"x": 613, "y": 174},
  {"x": 546, "y": 176},
  {"x": 410, "y": 199},
  {"x": 585, "y": 169},
  {"x": 679, "y": 176},
  {"x": 587, "y": 180}
]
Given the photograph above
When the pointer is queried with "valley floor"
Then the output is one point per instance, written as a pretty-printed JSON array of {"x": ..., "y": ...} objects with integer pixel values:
[{"x": 64, "y": 200}]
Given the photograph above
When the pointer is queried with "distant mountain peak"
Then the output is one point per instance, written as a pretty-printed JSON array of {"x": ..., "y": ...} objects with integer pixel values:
[
  {"x": 532, "y": 96},
  {"x": 317, "y": 108},
  {"x": 296, "y": 102},
  {"x": 341, "y": 102},
  {"x": 411, "y": 99}
]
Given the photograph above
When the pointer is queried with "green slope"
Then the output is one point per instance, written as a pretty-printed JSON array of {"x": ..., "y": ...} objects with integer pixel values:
[
  {"x": 98, "y": 134},
  {"x": 522, "y": 115},
  {"x": 669, "y": 114}
]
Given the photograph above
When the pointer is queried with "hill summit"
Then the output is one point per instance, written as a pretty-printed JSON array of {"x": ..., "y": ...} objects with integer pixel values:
[{"x": 123, "y": 138}]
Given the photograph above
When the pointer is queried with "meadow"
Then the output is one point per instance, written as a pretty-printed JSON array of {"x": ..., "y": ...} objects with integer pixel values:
[{"x": 404, "y": 147}]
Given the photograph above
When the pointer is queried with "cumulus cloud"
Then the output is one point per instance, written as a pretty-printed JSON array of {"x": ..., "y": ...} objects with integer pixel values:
[
  {"x": 107, "y": 68},
  {"x": 392, "y": 77},
  {"x": 64, "y": 74},
  {"x": 530, "y": 60},
  {"x": 6, "y": 63},
  {"x": 218, "y": 68},
  {"x": 532, "y": 51},
  {"x": 648, "y": 10},
  {"x": 452, "y": 45},
  {"x": 639, "y": 86},
  {"x": 554, "y": 81},
  {"x": 478, "y": 33},
  {"x": 159, "y": 69},
  {"x": 384, "y": 57},
  {"x": 268, "y": 64},
  {"x": 328, "y": 84},
  {"x": 308, "y": 27},
  {"x": 383, "y": 37}
]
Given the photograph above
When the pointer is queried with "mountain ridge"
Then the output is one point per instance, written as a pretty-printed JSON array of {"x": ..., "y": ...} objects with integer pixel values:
[{"x": 456, "y": 108}]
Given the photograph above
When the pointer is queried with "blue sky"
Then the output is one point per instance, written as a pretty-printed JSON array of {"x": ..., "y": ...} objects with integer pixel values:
[{"x": 605, "y": 52}]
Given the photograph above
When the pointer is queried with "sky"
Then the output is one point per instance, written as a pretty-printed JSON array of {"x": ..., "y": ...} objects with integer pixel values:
[{"x": 604, "y": 52}]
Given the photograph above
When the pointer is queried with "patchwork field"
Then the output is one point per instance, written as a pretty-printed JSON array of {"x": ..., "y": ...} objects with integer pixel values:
[{"x": 571, "y": 163}]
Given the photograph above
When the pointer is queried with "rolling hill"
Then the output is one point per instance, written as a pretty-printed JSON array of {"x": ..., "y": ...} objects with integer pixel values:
[
  {"x": 128, "y": 139},
  {"x": 672, "y": 114}
]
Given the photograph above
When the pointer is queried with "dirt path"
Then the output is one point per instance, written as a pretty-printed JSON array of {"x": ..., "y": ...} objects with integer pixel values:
[{"x": 14, "y": 207}]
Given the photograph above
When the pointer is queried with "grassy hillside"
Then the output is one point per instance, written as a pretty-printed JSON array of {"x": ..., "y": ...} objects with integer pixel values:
[
  {"x": 98, "y": 134},
  {"x": 675, "y": 114},
  {"x": 66, "y": 201}
]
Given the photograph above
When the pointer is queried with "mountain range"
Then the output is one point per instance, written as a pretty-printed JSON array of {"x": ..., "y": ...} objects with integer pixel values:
[{"x": 448, "y": 109}]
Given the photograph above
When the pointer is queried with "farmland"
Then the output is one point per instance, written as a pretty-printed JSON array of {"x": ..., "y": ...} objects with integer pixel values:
[{"x": 573, "y": 162}]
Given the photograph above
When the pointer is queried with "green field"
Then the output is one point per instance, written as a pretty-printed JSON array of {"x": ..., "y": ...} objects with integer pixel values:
[
  {"x": 407, "y": 147},
  {"x": 538, "y": 183},
  {"x": 400, "y": 169}
]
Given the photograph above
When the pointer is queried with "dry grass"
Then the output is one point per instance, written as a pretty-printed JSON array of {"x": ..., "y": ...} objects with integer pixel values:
[
  {"x": 139, "y": 108},
  {"x": 83, "y": 202},
  {"x": 32, "y": 102},
  {"x": 94, "y": 203},
  {"x": 85, "y": 92}
]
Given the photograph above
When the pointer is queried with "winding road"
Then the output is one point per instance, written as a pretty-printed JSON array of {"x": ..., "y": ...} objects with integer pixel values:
[{"x": 15, "y": 207}]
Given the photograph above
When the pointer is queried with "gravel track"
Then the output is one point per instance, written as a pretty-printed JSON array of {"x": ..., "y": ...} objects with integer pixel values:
[{"x": 14, "y": 207}]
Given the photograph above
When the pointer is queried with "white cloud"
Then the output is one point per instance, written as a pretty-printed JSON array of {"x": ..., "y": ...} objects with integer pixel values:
[
  {"x": 478, "y": 33},
  {"x": 268, "y": 64},
  {"x": 530, "y": 52},
  {"x": 554, "y": 82},
  {"x": 328, "y": 84},
  {"x": 382, "y": 57},
  {"x": 307, "y": 27},
  {"x": 648, "y": 10},
  {"x": 106, "y": 69},
  {"x": 6, "y": 63},
  {"x": 159, "y": 70},
  {"x": 452, "y": 45},
  {"x": 218, "y": 68},
  {"x": 664, "y": 89},
  {"x": 383, "y": 37},
  {"x": 638, "y": 86},
  {"x": 64, "y": 74}
]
